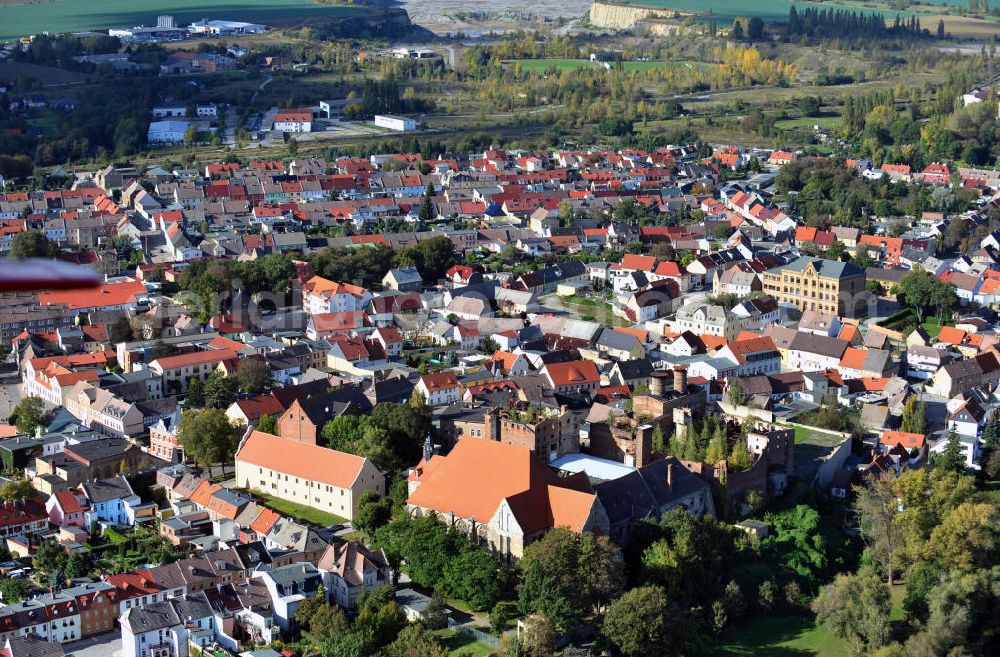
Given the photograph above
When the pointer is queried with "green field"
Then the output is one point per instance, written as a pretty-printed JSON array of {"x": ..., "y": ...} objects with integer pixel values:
[
  {"x": 299, "y": 511},
  {"x": 767, "y": 636},
  {"x": 542, "y": 65},
  {"x": 808, "y": 122},
  {"x": 78, "y": 15},
  {"x": 460, "y": 644}
]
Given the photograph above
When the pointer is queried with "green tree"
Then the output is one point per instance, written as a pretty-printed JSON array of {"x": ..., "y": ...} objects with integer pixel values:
[
  {"x": 642, "y": 622},
  {"x": 374, "y": 511},
  {"x": 208, "y": 436},
  {"x": 327, "y": 623},
  {"x": 476, "y": 577},
  {"x": 856, "y": 609},
  {"x": 427, "y": 213},
  {"x": 923, "y": 291},
  {"x": 502, "y": 613},
  {"x": 32, "y": 244},
  {"x": 733, "y": 601},
  {"x": 565, "y": 574},
  {"x": 951, "y": 459},
  {"x": 804, "y": 543},
  {"x": 267, "y": 424},
  {"x": 79, "y": 564},
  {"x": 220, "y": 390},
  {"x": 539, "y": 637},
  {"x": 716, "y": 447},
  {"x": 967, "y": 537},
  {"x": 435, "y": 615},
  {"x": 914, "y": 415},
  {"x": 16, "y": 489},
  {"x": 740, "y": 458},
  {"x": 50, "y": 558},
  {"x": 877, "y": 508},
  {"x": 196, "y": 392},
  {"x": 919, "y": 584},
  {"x": 121, "y": 330},
  {"x": 416, "y": 641},
  {"x": 28, "y": 415},
  {"x": 253, "y": 374},
  {"x": 14, "y": 590}
]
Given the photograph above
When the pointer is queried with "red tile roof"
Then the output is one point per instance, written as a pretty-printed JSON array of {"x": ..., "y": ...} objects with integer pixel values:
[
  {"x": 311, "y": 462},
  {"x": 440, "y": 381},
  {"x": 196, "y": 358},
  {"x": 576, "y": 372},
  {"x": 112, "y": 294},
  {"x": 908, "y": 440},
  {"x": 469, "y": 484}
]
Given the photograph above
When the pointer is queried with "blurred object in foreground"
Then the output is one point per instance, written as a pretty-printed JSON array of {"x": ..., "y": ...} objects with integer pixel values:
[{"x": 40, "y": 274}]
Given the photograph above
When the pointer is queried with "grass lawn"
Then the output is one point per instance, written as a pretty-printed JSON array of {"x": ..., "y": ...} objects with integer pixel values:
[
  {"x": 808, "y": 122},
  {"x": 592, "y": 310},
  {"x": 299, "y": 511},
  {"x": 932, "y": 326},
  {"x": 462, "y": 644},
  {"x": 896, "y": 595},
  {"x": 767, "y": 636},
  {"x": 801, "y": 434},
  {"x": 542, "y": 65},
  {"x": 990, "y": 493}
]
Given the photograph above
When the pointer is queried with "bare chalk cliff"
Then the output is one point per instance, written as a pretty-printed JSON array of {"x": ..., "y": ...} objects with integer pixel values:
[{"x": 623, "y": 17}]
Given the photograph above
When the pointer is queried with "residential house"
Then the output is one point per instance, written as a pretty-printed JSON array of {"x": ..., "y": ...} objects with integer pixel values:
[
  {"x": 439, "y": 389},
  {"x": 403, "y": 279},
  {"x": 351, "y": 569}
]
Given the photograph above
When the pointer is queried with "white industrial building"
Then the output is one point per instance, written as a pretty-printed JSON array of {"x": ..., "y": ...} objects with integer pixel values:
[
  {"x": 167, "y": 132},
  {"x": 224, "y": 28},
  {"x": 397, "y": 123}
]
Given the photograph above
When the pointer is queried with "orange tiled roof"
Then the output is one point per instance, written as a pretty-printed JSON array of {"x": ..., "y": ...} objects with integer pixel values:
[
  {"x": 853, "y": 358},
  {"x": 576, "y": 372},
  {"x": 265, "y": 521},
  {"x": 440, "y": 381},
  {"x": 112, "y": 294},
  {"x": 196, "y": 358},
  {"x": 952, "y": 335},
  {"x": 311, "y": 462},
  {"x": 904, "y": 438},
  {"x": 468, "y": 483}
]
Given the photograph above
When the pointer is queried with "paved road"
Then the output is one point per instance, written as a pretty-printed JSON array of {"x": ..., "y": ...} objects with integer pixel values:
[{"x": 104, "y": 645}]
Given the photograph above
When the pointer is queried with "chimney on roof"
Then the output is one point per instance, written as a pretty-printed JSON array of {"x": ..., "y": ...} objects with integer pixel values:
[
  {"x": 670, "y": 476},
  {"x": 656, "y": 384},
  {"x": 680, "y": 379}
]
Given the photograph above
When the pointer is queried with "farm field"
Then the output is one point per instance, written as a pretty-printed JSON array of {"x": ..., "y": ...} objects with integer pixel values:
[
  {"x": 79, "y": 15},
  {"x": 47, "y": 75},
  {"x": 966, "y": 27}
]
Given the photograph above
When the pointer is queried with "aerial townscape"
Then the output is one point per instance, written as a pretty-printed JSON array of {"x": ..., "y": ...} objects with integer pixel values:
[{"x": 624, "y": 328}]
